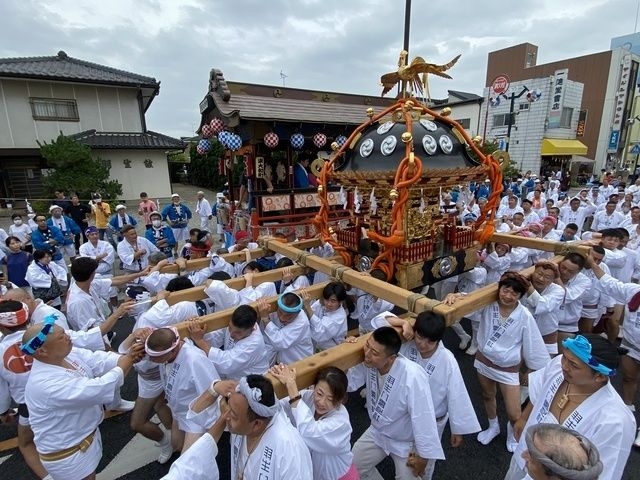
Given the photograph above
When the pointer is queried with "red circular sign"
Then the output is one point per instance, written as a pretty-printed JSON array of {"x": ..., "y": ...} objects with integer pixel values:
[{"x": 500, "y": 84}]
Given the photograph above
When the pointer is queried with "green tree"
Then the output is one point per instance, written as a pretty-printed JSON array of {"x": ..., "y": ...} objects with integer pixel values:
[
  {"x": 203, "y": 169},
  {"x": 75, "y": 170}
]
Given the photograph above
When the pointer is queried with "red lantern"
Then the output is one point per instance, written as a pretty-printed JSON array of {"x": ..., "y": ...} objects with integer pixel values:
[
  {"x": 319, "y": 140},
  {"x": 216, "y": 125},
  {"x": 271, "y": 140}
]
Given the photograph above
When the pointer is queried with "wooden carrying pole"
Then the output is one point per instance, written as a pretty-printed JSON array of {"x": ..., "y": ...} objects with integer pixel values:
[
  {"x": 240, "y": 256},
  {"x": 218, "y": 320},
  {"x": 197, "y": 293}
]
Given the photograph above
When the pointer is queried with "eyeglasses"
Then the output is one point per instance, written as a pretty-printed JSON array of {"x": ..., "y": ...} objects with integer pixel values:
[{"x": 36, "y": 342}]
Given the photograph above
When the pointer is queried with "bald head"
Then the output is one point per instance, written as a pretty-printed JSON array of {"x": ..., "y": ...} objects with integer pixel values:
[
  {"x": 161, "y": 339},
  {"x": 19, "y": 295},
  {"x": 562, "y": 447}
]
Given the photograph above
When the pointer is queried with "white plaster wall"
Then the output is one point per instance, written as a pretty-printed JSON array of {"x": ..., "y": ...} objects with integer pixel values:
[
  {"x": 111, "y": 109},
  {"x": 138, "y": 178}
]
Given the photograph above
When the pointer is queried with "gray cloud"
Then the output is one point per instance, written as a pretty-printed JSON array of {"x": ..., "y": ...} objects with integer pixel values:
[{"x": 326, "y": 45}]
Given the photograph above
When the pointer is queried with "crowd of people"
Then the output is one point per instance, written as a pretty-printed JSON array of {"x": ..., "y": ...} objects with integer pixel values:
[{"x": 550, "y": 344}]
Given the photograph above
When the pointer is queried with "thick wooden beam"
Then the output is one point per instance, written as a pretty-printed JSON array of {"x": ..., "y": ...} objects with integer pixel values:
[
  {"x": 218, "y": 320},
  {"x": 559, "y": 248},
  {"x": 405, "y": 299},
  {"x": 343, "y": 356},
  {"x": 197, "y": 293},
  {"x": 200, "y": 263}
]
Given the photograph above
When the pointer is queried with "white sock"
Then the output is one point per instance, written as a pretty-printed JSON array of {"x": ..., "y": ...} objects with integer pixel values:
[
  {"x": 493, "y": 423},
  {"x": 631, "y": 408},
  {"x": 48, "y": 477}
]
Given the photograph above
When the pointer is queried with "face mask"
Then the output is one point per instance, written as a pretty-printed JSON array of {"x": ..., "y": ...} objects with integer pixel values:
[
  {"x": 17, "y": 222},
  {"x": 156, "y": 223}
]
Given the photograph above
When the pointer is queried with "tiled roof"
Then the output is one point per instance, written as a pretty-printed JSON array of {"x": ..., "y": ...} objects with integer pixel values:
[
  {"x": 272, "y": 103},
  {"x": 63, "y": 67},
  {"x": 124, "y": 140}
]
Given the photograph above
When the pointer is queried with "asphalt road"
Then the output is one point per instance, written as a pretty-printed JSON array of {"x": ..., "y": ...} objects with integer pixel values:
[{"x": 471, "y": 461}]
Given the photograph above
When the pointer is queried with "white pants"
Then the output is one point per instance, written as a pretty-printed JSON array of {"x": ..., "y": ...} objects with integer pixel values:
[
  {"x": 367, "y": 454},
  {"x": 204, "y": 224},
  {"x": 428, "y": 472}
]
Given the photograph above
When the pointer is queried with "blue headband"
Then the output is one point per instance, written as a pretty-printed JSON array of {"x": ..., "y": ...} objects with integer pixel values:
[
  {"x": 286, "y": 309},
  {"x": 36, "y": 342},
  {"x": 581, "y": 348}
]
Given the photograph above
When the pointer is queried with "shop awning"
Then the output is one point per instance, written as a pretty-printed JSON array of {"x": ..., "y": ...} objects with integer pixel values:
[{"x": 556, "y": 146}]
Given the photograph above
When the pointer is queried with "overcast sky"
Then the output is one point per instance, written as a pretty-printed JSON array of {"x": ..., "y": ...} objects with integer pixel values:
[{"x": 327, "y": 45}]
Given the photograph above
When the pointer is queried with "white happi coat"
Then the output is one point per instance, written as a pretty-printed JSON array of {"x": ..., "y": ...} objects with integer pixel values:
[
  {"x": 16, "y": 366},
  {"x": 401, "y": 409},
  {"x": 496, "y": 266},
  {"x": 106, "y": 264},
  {"x": 368, "y": 307},
  {"x": 126, "y": 253},
  {"x": 448, "y": 391},
  {"x": 288, "y": 343},
  {"x": 506, "y": 343},
  {"x": 301, "y": 281},
  {"x": 603, "y": 418},
  {"x": 328, "y": 438},
  {"x": 160, "y": 315},
  {"x": 235, "y": 360},
  {"x": 197, "y": 463},
  {"x": 156, "y": 281},
  {"x": 217, "y": 264},
  {"x": 622, "y": 294},
  {"x": 280, "y": 454},
  {"x": 43, "y": 310},
  {"x": 570, "y": 310},
  {"x": 38, "y": 278},
  {"x": 328, "y": 329},
  {"x": 184, "y": 379},
  {"x": 86, "y": 310},
  {"x": 594, "y": 302},
  {"x": 545, "y": 307},
  {"x": 66, "y": 405}
]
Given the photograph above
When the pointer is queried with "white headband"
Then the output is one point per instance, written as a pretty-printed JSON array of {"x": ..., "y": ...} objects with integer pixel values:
[
  {"x": 253, "y": 396},
  {"x": 153, "y": 353}
]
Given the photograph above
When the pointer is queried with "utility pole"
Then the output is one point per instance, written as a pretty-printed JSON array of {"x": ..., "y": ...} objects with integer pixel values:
[{"x": 512, "y": 98}]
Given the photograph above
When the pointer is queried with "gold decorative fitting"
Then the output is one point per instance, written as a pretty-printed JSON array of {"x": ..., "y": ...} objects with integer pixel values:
[
  {"x": 331, "y": 231},
  {"x": 393, "y": 194},
  {"x": 408, "y": 105},
  {"x": 369, "y": 112},
  {"x": 477, "y": 140},
  {"x": 407, "y": 137},
  {"x": 445, "y": 112},
  {"x": 320, "y": 189},
  {"x": 334, "y": 146},
  {"x": 412, "y": 159}
]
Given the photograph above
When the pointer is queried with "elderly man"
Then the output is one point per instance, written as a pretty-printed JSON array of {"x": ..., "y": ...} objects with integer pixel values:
[
  {"x": 400, "y": 405},
  {"x": 556, "y": 453},
  {"x": 118, "y": 221},
  {"x": 203, "y": 209},
  {"x": 104, "y": 253},
  {"x": 177, "y": 216},
  {"x": 65, "y": 394},
  {"x": 134, "y": 251},
  {"x": 69, "y": 230},
  {"x": 264, "y": 443}
]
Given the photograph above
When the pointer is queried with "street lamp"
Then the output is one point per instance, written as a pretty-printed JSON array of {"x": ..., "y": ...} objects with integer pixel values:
[{"x": 512, "y": 98}]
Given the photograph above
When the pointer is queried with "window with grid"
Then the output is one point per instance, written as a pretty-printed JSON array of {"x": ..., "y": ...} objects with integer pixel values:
[
  {"x": 54, "y": 109},
  {"x": 464, "y": 122}
]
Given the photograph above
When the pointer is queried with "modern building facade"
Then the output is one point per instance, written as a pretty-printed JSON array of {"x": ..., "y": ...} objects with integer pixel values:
[
  {"x": 580, "y": 118},
  {"x": 102, "y": 107}
]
